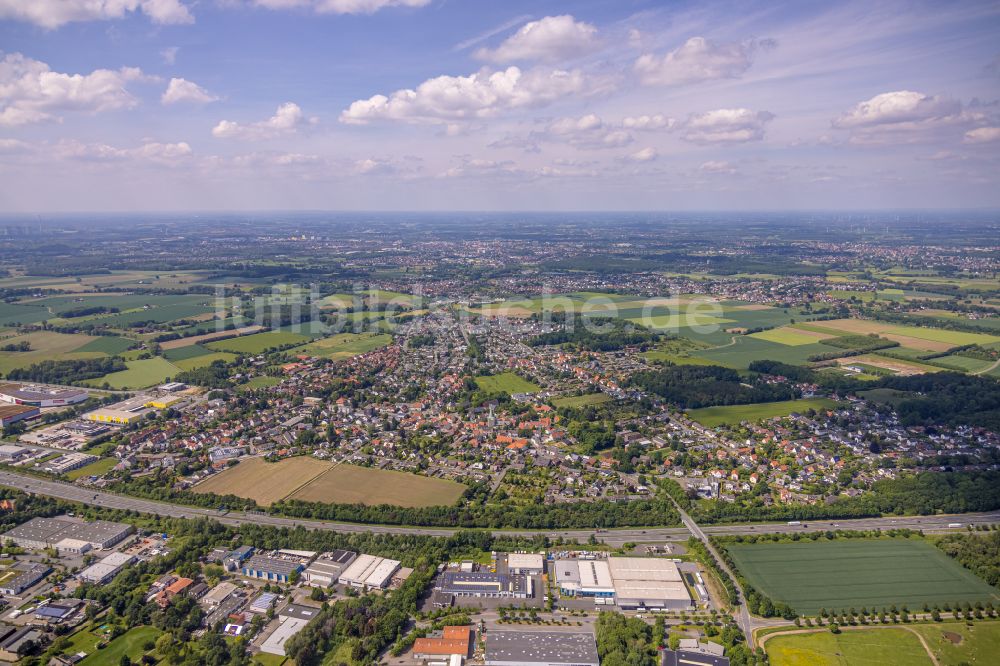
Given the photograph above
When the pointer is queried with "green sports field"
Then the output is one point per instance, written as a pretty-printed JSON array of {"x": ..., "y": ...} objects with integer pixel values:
[
  {"x": 711, "y": 417},
  {"x": 857, "y": 573},
  {"x": 506, "y": 382},
  {"x": 870, "y": 647}
]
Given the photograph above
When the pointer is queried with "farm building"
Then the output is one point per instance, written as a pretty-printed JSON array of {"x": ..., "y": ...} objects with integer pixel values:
[
  {"x": 546, "y": 648},
  {"x": 485, "y": 584},
  {"x": 67, "y": 535},
  {"x": 327, "y": 568},
  {"x": 369, "y": 572},
  {"x": 41, "y": 396},
  {"x": 525, "y": 563},
  {"x": 11, "y": 414}
]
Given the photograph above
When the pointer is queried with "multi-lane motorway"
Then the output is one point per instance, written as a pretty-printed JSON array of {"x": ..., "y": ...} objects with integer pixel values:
[{"x": 67, "y": 491}]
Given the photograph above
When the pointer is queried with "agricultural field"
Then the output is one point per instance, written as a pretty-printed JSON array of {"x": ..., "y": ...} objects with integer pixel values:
[
  {"x": 349, "y": 484},
  {"x": 112, "y": 345},
  {"x": 506, "y": 382},
  {"x": 264, "y": 482},
  {"x": 209, "y": 336},
  {"x": 711, "y": 417},
  {"x": 857, "y": 573},
  {"x": 140, "y": 374},
  {"x": 889, "y": 646},
  {"x": 204, "y": 360},
  {"x": 892, "y": 365},
  {"x": 582, "y": 400},
  {"x": 14, "y": 313},
  {"x": 741, "y": 351},
  {"x": 790, "y": 336},
  {"x": 258, "y": 342},
  {"x": 46, "y": 346},
  {"x": 346, "y": 345}
]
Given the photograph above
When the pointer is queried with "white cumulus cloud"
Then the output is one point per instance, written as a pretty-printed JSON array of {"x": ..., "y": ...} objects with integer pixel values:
[
  {"x": 982, "y": 135},
  {"x": 726, "y": 126},
  {"x": 51, "y": 14},
  {"x": 478, "y": 95},
  {"x": 152, "y": 151},
  {"x": 655, "y": 122},
  {"x": 899, "y": 107},
  {"x": 30, "y": 92},
  {"x": 697, "y": 60},
  {"x": 286, "y": 120},
  {"x": 550, "y": 39},
  {"x": 182, "y": 90},
  {"x": 588, "y": 131},
  {"x": 645, "y": 155}
]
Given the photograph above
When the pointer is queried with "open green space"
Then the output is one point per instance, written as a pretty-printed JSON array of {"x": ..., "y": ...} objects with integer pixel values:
[
  {"x": 346, "y": 345},
  {"x": 955, "y": 643},
  {"x": 857, "y": 573},
  {"x": 140, "y": 374},
  {"x": 45, "y": 346},
  {"x": 875, "y": 647},
  {"x": 190, "y": 351},
  {"x": 204, "y": 360},
  {"x": 258, "y": 342},
  {"x": 582, "y": 400},
  {"x": 96, "y": 468},
  {"x": 744, "y": 350},
  {"x": 506, "y": 382},
  {"x": 112, "y": 345},
  {"x": 785, "y": 336},
  {"x": 131, "y": 643},
  {"x": 12, "y": 313},
  {"x": 711, "y": 417},
  {"x": 263, "y": 381}
]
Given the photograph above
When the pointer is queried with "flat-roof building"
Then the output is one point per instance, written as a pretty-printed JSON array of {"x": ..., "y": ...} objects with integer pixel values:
[
  {"x": 369, "y": 572},
  {"x": 10, "y": 414},
  {"x": 28, "y": 574},
  {"x": 692, "y": 658},
  {"x": 104, "y": 571},
  {"x": 584, "y": 578},
  {"x": 39, "y": 533},
  {"x": 525, "y": 563},
  {"x": 327, "y": 568},
  {"x": 121, "y": 413},
  {"x": 68, "y": 462},
  {"x": 485, "y": 584},
  {"x": 41, "y": 396},
  {"x": 648, "y": 582},
  {"x": 546, "y": 648},
  {"x": 269, "y": 568}
]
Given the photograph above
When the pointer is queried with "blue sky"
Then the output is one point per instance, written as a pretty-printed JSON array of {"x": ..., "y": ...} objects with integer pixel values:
[{"x": 133, "y": 105}]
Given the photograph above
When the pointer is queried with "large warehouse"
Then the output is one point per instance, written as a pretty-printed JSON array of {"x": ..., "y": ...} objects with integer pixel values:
[
  {"x": 13, "y": 413},
  {"x": 545, "y": 648},
  {"x": 67, "y": 535},
  {"x": 369, "y": 572},
  {"x": 632, "y": 582},
  {"x": 41, "y": 396}
]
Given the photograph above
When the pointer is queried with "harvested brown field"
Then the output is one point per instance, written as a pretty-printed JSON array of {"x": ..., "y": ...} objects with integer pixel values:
[
  {"x": 219, "y": 335},
  {"x": 264, "y": 482},
  {"x": 857, "y": 326},
  {"x": 917, "y": 343},
  {"x": 350, "y": 484},
  {"x": 896, "y": 365},
  {"x": 751, "y": 306}
]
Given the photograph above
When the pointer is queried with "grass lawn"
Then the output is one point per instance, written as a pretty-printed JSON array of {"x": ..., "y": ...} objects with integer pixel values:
[
  {"x": 267, "y": 659},
  {"x": 877, "y": 647},
  {"x": 811, "y": 575},
  {"x": 582, "y": 400},
  {"x": 506, "y": 382},
  {"x": 262, "y": 381},
  {"x": 130, "y": 643},
  {"x": 350, "y": 484},
  {"x": 140, "y": 374},
  {"x": 95, "y": 468},
  {"x": 258, "y": 342},
  {"x": 955, "y": 642},
  {"x": 715, "y": 416}
]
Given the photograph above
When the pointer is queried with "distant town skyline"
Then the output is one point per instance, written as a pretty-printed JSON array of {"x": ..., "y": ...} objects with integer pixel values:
[{"x": 159, "y": 105}]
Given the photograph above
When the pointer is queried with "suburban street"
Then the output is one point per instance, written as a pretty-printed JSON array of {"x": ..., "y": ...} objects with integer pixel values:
[{"x": 616, "y": 537}]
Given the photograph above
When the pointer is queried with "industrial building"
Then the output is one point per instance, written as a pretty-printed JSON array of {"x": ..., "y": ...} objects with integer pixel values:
[
  {"x": 121, "y": 413},
  {"x": 546, "y": 648},
  {"x": 530, "y": 564},
  {"x": 104, "y": 571},
  {"x": 369, "y": 572},
  {"x": 41, "y": 396},
  {"x": 648, "y": 582},
  {"x": 67, "y": 535},
  {"x": 485, "y": 584},
  {"x": 10, "y": 414},
  {"x": 68, "y": 462},
  {"x": 584, "y": 578},
  {"x": 29, "y": 574},
  {"x": 453, "y": 641},
  {"x": 12, "y": 453},
  {"x": 327, "y": 568},
  {"x": 270, "y": 568},
  {"x": 694, "y": 657}
]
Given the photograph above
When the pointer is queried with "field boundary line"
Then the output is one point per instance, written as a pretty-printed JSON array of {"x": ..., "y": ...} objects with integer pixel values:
[
  {"x": 927, "y": 648},
  {"x": 303, "y": 485}
]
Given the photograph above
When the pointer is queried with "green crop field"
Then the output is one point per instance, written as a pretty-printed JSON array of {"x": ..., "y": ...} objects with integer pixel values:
[
  {"x": 112, "y": 345},
  {"x": 786, "y": 336},
  {"x": 715, "y": 416},
  {"x": 890, "y": 646},
  {"x": 676, "y": 359},
  {"x": 140, "y": 374},
  {"x": 258, "y": 342},
  {"x": 857, "y": 573},
  {"x": 506, "y": 382},
  {"x": 747, "y": 349},
  {"x": 190, "y": 351},
  {"x": 45, "y": 346},
  {"x": 582, "y": 400},
  {"x": 204, "y": 360},
  {"x": 346, "y": 345},
  {"x": 941, "y": 335}
]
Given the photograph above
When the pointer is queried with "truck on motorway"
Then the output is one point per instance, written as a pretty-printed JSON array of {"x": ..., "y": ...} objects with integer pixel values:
[
  {"x": 954, "y": 524},
  {"x": 794, "y": 522}
]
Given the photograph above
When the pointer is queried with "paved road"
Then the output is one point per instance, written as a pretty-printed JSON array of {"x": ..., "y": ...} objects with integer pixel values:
[{"x": 68, "y": 491}]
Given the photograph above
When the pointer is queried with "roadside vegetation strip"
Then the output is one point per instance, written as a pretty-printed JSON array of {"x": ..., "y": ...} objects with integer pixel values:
[
  {"x": 856, "y": 573},
  {"x": 892, "y": 646},
  {"x": 711, "y": 417}
]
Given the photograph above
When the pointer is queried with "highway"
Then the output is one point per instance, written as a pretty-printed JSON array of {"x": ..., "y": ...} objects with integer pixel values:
[{"x": 616, "y": 537}]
